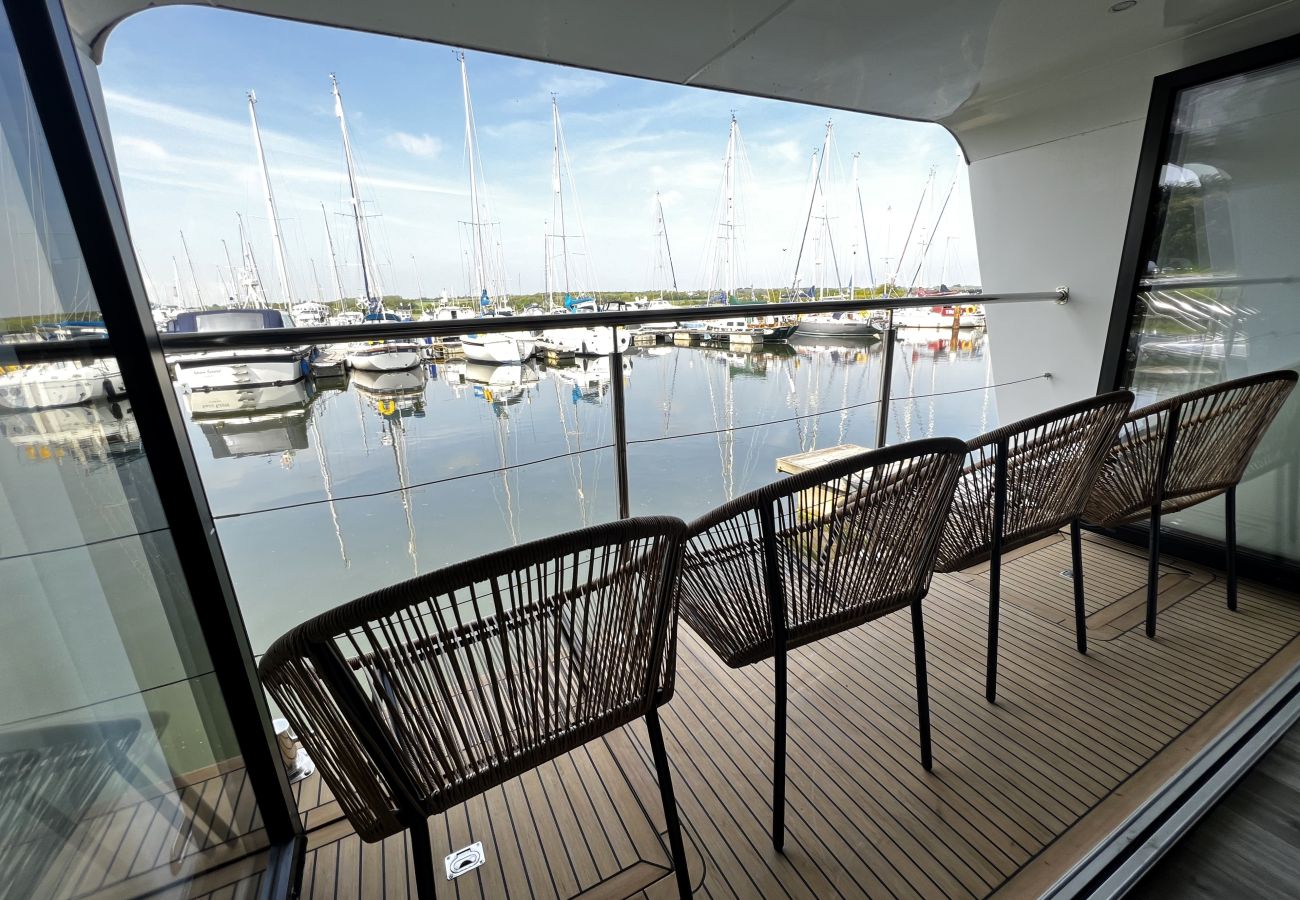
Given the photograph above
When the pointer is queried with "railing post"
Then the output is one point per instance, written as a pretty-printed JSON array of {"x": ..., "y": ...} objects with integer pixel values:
[
  {"x": 886, "y": 376},
  {"x": 620, "y": 427}
]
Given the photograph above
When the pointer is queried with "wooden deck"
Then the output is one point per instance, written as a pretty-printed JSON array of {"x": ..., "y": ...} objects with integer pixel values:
[{"x": 1019, "y": 790}]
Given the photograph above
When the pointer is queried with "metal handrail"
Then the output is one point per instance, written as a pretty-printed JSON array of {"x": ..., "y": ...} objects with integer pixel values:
[
  {"x": 1209, "y": 281},
  {"x": 83, "y": 348},
  {"x": 328, "y": 334},
  {"x": 378, "y": 331}
]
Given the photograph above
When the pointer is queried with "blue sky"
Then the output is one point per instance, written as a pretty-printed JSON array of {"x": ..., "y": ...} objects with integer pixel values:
[{"x": 175, "y": 81}]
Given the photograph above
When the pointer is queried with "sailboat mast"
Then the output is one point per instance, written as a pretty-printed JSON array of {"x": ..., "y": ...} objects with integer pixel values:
[
  {"x": 817, "y": 161},
  {"x": 729, "y": 213},
  {"x": 369, "y": 283},
  {"x": 334, "y": 260},
  {"x": 419, "y": 288},
  {"x": 277, "y": 239},
  {"x": 667, "y": 247},
  {"x": 902, "y": 254},
  {"x": 252, "y": 281},
  {"x": 862, "y": 217},
  {"x": 230, "y": 267},
  {"x": 176, "y": 284},
  {"x": 198, "y": 295},
  {"x": 315, "y": 279},
  {"x": 476, "y": 223},
  {"x": 546, "y": 263},
  {"x": 557, "y": 189}
]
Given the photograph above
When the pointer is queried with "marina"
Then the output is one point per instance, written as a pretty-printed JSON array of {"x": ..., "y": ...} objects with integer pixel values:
[
  {"x": 494, "y": 455},
  {"x": 391, "y": 507}
]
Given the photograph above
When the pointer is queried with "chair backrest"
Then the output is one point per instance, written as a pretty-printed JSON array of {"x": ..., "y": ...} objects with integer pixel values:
[
  {"x": 841, "y": 543},
  {"x": 424, "y": 694},
  {"x": 1216, "y": 430},
  {"x": 1051, "y": 461}
]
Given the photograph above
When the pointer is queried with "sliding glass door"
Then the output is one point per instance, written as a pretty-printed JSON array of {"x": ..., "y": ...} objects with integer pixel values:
[{"x": 1214, "y": 288}]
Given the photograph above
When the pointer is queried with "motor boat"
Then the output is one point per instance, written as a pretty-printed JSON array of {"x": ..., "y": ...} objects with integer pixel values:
[{"x": 212, "y": 370}]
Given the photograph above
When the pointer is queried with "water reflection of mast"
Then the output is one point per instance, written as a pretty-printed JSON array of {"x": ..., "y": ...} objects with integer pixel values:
[
  {"x": 322, "y": 460},
  {"x": 725, "y": 435},
  {"x": 574, "y": 456},
  {"x": 395, "y": 432}
]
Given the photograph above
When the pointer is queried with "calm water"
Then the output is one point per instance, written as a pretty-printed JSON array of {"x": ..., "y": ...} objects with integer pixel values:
[{"x": 307, "y": 481}]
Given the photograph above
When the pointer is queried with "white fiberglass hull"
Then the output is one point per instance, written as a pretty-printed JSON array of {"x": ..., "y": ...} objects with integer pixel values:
[
  {"x": 386, "y": 357},
  {"x": 55, "y": 384},
  {"x": 505, "y": 348},
  {"x": 826, "y": 326},
  {"x": 588, "y": 341},
  {"x": 406, "y": 381},
  {"x": 228, "y": 370}
]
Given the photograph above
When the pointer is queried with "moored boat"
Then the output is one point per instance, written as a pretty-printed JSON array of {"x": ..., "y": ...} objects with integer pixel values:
[{"x": 210, "y": 370}]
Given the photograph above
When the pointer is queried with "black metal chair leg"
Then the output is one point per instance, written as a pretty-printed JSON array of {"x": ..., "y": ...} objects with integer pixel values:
[
  {"x": 995, "y": 600},
  {"x": 922, "y": 686},
  {"x": 1076, "y": 563},
  {"x": 778, "y": 754},
  {"x": 669, "y": 802},
  {"x": 422, "y": 859},
  {"x": 1153, "y": 570},
  {"x": 1230, "y": 529}
]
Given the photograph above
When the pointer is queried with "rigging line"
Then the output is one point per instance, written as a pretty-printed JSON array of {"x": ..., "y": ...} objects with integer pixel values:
[
  {"x": 411, "y": 487},
  {"x": 651, "y": 440},
  {"x": 814, "y": 415}
]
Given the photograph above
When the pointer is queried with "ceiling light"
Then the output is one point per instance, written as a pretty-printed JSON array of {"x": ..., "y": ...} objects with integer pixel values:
[{"x": 1123, "y": 5}]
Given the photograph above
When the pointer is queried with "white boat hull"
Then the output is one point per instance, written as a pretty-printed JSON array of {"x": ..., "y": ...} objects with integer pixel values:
[
  {"x": 588, "y": 341},
  {"x": 388, "y": 357},
  {"x": 818, "y": 326},
  {"x": 505, "y": 348},
  {"x": 218, "y": 371},
  {"x": 51, "y": 385}
]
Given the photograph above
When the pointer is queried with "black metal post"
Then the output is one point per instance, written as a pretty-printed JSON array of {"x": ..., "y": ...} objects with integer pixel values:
[
  {"x": 620, "y": 428},
  {"x": 995, "y": 565},
  {"x": 63, "y": 105},
  {"x": 422, "y": 859},
  {"x": 1153, "y": 545},
  {"x": 886, "y": 379},
  {"x": 670, "y": 803},
  {"x": 776, "y": 609},
  {"x": 1076, "y": 569},
  {"x": 922, "y": 685},
  {"x": 1230, "y": 535}
]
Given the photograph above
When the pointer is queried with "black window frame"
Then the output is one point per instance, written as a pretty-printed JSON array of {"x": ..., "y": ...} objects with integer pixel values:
[
  {"x": 1156, "y": 146},
  {"x": 64, "y": 108}
]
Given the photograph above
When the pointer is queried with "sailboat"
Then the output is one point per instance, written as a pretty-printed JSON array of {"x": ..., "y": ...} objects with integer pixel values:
[
  {"x": 825, "y": 258},
  {"x": 371, "y": 356},
  {"x": 499, "y": 348},
  {"x": 572, "y": 276},
  {"x": 728, "y": 251},
  {"x": 219, "y": 370}
]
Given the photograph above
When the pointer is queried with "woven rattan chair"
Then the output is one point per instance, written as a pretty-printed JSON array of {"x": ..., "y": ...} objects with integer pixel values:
[
  {"x": 423, "y": 695},
  {"x": 1025, "y": 481},
  {"x": 1183, "y": 451},
  {"x": 814, "y": 555}
]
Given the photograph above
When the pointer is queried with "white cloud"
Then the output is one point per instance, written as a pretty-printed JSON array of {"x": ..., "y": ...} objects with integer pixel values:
[
  {"x": 572, "y": 84},
  {"x": 422, "y": 145}
]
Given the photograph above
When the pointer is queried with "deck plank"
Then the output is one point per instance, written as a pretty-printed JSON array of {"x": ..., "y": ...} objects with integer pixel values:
[{"x": 1019, "y": 790}]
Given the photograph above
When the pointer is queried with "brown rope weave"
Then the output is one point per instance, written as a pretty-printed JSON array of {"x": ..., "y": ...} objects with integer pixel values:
[
  {"x": 1218, "y": 429},
  {"x": 1052, "y": 460},
  {"x": 854, "y": 540},
  {"x": 421, "y": 695}
]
